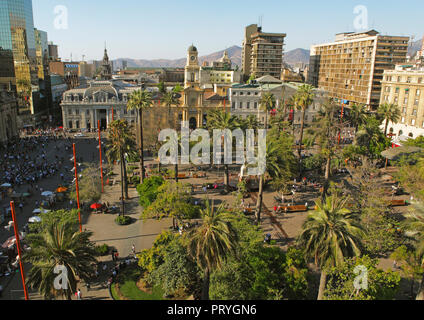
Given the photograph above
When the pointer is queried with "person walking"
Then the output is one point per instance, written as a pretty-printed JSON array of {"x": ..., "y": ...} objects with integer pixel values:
[
  {"x": 78, "y": 294},
  {"x": 21, "y": 207},
  {"x": 133, "y": 249}
]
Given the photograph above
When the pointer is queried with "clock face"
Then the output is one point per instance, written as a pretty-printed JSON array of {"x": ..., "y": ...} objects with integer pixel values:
[{"x": 193, "y": 58}]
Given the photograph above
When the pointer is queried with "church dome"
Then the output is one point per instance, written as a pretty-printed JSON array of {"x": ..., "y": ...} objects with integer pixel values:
[{"x": 192, "y": 48}]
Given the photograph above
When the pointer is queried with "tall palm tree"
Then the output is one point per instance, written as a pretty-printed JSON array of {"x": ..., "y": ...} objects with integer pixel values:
[
  {"x": 389, "y": 112},
  {"x": 219, "y": 119},
  {"x": 357, "y": 115},
  {"x": 273, "y": 168},
  {"x": 121, "y": 141},
  {"x": 267, "y": 103},
  {"x": 61, "y": 244},
  {"x": 170, "y": 99},
  {"x": 330, "y": 234},
  {"x": 251, "y": 122},
  {"x": 212, "y": 242},
  {"x": 303, "y": 99},
  {"x": 415, "y": 223},
  {"x": 139, "y": 101}
]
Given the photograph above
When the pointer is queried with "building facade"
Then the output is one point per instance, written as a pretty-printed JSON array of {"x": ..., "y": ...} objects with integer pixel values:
[
  {"x": 68, "y": 70},
  {"x": 262, "y": 53},
  {"x": 404, "y": 87},
  {"x": 8, "y": 117},
  {"x": 17, "y": 34},
  {"x": 351, "y": 68},
  {"x": 53, "y": 51},
  {"x": 245, "y": 99}
]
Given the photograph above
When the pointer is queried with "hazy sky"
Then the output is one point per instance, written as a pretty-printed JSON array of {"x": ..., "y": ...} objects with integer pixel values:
[{"x": 164, "y": 29}]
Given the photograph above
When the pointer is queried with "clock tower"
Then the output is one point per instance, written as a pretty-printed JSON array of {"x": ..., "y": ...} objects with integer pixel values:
[{"x": 192, "y": 68}]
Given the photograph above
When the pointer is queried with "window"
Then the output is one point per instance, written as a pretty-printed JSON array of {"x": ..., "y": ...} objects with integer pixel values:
[
  {"x": 77, "y": 124},
  {"x": 241, "y": 105},
  {"x": 233, "y": 106},
  {"x": 241, "y": 93},
  {"x": 69, "y": 111},
  {"x": 420, "y": 80},
  {"x": 398, "y": 79},
  {"x": 413, "y": 122},
  {"x": 397, "y": 90},
  {"x": 404, "y": 110},
  {"x": 88, "y": 112},
  {"x": 416, "y": 101},
  {"x": 70, "y": 124},
  {"x": 418, "y": 93},
  {"x": 247, "y": 105},
  {"x": 414, "y": 112},
  {"x": 403, "y": 120},
  {"x": 77, "y": 112},
  {"x": 255, "y": 105},
  {"x": 408, "y": 80},
  {"x": 405, "y": 101}
]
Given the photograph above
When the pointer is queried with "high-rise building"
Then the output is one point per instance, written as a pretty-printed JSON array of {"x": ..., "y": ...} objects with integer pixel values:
[
  {"x": 351, "y": 68},
  {"x": 262, "y": 52},
  {"x": 17, "y": 34},
  {"x": 42, "y": 52},
  {"x": 53, "y": 52},
  {"x": 7, "y": 70}
]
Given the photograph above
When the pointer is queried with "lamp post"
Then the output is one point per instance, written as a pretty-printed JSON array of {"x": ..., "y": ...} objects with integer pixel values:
[
  {"x": 100, "y": 151},
  {"x": 77, "y": 187},
  {"x": 18, "y": 246}
]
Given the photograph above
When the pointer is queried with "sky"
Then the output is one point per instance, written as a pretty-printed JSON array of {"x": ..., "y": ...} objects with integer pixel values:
[{"x": 164, "y": 29}]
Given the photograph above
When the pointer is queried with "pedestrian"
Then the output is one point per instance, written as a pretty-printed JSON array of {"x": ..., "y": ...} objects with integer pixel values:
[
  {"x": 78, "y": 294},
  {"x": 113, "y": 255},
  {"x": 133, "y": 249},
  {"x": 21, "y": 207}
]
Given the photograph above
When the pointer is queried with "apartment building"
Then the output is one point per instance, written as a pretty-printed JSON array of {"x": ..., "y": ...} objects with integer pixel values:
[
  {"x": 404, "y": 87},
  {"x": 262, "y": 52},
  {"x": 351, "y": 68}
]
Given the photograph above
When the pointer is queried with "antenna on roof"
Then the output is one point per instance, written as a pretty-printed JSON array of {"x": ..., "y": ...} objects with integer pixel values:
[{"x": 261, "y": 17}]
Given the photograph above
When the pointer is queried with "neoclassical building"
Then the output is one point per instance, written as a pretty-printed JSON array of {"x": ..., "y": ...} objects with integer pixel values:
[{"x": 8, "y": 116}]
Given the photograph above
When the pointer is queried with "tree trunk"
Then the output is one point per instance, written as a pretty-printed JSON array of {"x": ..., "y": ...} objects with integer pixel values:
[
  {"x": 124, "y": 166},
  {"x": 327, "y": 168},
  {"x": 385, "y": 127},
  {"x": 176, "y": 172},
  {"x": 122, "y": 184},
  {"x": 227, "y": 176},
  {"x": 205, "y": 287},
  {"x": 420, "y": 295},
  {"x": 322, "y": 284},
  {"x": 140, "y": 113},
  {"x": 302, "y": 125},
  {"x": 260, "y": 199}
]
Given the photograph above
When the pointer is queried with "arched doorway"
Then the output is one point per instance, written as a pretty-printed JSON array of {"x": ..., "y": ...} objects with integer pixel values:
[
  {"x": 400, "y": 132},
  {"x": 411, "y": 135},
  {"x": 193, "y": 123}
]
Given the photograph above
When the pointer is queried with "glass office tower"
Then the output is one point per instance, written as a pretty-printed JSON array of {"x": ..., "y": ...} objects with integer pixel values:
[{"x": 17, "y": 34}]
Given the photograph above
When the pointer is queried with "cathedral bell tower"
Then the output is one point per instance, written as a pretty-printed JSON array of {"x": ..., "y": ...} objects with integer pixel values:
[
  {"x": 106, "y": 69},
  {"x": 192, "y": 68}
]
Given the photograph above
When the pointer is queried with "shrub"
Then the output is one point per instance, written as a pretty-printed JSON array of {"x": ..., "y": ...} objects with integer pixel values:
[
  {"x": 102, "y": 250},
  {"x": 123, "y": 220},
  {"x": 135, "y": 180},
  {"x": 148, "y": 190}
]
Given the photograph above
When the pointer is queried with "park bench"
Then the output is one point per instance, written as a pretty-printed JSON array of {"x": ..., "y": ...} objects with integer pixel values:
[
  {"x": 398, "y": 203},
  {"x": 300, "y": 208}
]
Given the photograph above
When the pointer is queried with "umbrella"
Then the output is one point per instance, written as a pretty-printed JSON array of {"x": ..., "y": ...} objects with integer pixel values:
[
  {"x": 96, "y": 206},
  {"x": 34, "y": 219},
  {"x": 61, "y": 189},
  {"x": 397, "y": 153},
  {"x": 26, "y": 195},
  {"x": 47, "y": 193},
  {"x": 6, "y": 185}
]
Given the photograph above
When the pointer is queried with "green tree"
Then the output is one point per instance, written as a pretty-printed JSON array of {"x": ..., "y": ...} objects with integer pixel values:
[
  {"x": 382, "y": 285},
  {"x": 410, "y": 264},
  {"x": 212, "y": 242},
  {"x": 371, "y": 139},
  {"x": 357, "y": 116},
  {"x": 415, "y": 223},
  {"x": 140, "y": 100},
  {"x": 60, "y": 244},
  {"x": 221, "y": 120},
  {"x": 89, "y": 185},
  {"x": 303, "y": 99},
  {"x": 121, "y": 141},
  {"x": 388, "y": 112},
  {"x": 161, "y": 87},
  {"x": 251, "y": 122},
  {"x": 148, "y": 190},
  {"x": 330, "y": 234}
]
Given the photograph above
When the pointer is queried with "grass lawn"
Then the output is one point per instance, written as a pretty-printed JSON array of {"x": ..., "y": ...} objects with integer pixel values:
[{"x": 127, "y": 284}]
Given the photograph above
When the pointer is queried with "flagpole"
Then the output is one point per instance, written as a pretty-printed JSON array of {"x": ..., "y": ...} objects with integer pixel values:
[
  {"x": 77, "y": 187},
  {"x": 100, "y": 152},
  {"x": 18, "y": 246}
]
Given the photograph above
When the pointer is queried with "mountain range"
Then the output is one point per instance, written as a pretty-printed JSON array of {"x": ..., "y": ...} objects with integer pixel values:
[{"x": 234, "y": 53}]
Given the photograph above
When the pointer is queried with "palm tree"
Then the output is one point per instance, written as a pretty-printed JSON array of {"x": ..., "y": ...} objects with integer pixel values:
[
  {"x": 357, "y": 115},
  {"x": 267, "y": 103},
  {"x": 303, "y": 99},
  {"x": 219, "y": 119},
  {"x": 389, "y": 112},
  {"x": 273, "y": 168},
  {"x": 415, "y": 223},
  {"x": 121, "y": 141},
  {"x": 61, "y": 244},
  {"x": 330, "y": 234},
  {"x": 170, "y": 99},
  {"x": 251, "y": 122},
  {"x": 140, "y": 100},
  {"x": 212, "y": 242}
]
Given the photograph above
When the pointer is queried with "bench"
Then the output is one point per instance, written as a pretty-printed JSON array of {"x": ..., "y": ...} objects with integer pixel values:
[
  {"x": 398, "y": 203},
  {"x": 300, "y": 208}
]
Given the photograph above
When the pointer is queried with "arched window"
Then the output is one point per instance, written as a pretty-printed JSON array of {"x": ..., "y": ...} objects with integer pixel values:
[
  {"x": 400, "y": 132},
  {"x": 391, "y": 130},
  {"x": 411, "y": 135}
]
